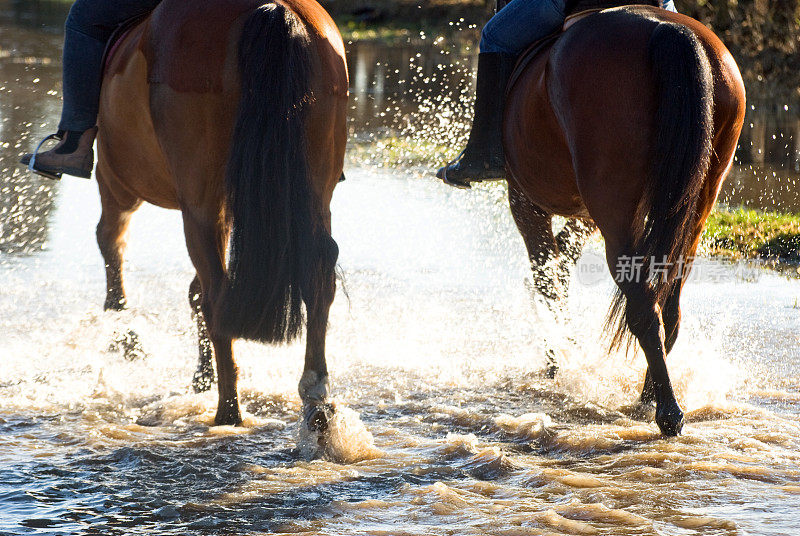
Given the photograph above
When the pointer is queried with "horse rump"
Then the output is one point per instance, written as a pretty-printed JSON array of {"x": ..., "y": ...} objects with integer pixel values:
[{"x": 269, "y": 202}]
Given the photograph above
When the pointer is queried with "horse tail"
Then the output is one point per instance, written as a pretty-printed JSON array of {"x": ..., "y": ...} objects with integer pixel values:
[
  {"x": 269, "y": 201},
  {"x": 666, "y": 217}
]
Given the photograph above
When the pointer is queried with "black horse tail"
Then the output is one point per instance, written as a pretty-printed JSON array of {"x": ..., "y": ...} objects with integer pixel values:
[
  {"x": 666, "y": 220},
  {"x": 270, "y": 203}
]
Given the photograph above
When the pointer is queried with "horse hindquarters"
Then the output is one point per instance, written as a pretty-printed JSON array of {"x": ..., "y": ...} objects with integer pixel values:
[
  {"x": 244, "y": 180},
  {"x": 641, "y": 167},
  {"x": 281, "y": 251},
  {"x": 666, "y": 220}
]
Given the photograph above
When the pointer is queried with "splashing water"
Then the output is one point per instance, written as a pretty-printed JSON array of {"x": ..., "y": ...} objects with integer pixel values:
[
  {"x": 444, "y": 414},
  {"x": 345, "y": 440}
]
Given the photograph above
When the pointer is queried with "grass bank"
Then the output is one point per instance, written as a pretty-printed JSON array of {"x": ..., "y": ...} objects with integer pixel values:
[
  {"x": 747, "y": 234},
  {"x": 405, "y": 152}
]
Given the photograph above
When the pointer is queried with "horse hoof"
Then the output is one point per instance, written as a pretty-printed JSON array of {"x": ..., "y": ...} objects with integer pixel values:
[
  {"x": 228, "y": 417},
  {"x": 670, "y": 422},
  {"x": 318, "y": 417}
]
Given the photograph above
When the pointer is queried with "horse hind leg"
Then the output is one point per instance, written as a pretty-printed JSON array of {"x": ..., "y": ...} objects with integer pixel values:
[
  {"x": 205, "y": 241},
  {"x": 318, "y": 294},
  {"x": 570, "y": 241},
  {"x": 722, "y": 158},
  {"x": 117, "y": 208},
  {"x": 672, "y": 320},
  {"x": 536, "y": 229},
  {"x": 644, "y": 319},
  {"x": 204, "y": 375}
]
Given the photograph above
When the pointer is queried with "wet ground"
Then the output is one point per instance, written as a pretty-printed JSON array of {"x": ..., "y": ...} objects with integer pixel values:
[{"x": 447, "y": 423}]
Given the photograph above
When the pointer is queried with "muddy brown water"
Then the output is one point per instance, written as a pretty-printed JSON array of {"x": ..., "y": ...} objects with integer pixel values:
[{"x": 446, "y": 423}]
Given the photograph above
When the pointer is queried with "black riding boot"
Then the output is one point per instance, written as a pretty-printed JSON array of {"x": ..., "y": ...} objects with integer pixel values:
[{"x": 483, "y": 157}]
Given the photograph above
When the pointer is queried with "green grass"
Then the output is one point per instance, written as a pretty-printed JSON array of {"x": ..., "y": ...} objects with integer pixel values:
[
  {"x": 395, "y": 151},
  {"x": 445, "y": 33},
  {"x": 746, "y": 233},
  {"x": 354, "y": 30}
]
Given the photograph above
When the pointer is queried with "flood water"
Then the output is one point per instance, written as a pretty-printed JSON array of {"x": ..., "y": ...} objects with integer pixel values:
[{"x": 447, "y": 423}]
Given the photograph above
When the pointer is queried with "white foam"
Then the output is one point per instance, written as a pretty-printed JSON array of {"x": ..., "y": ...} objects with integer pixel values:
[{"x": 345, "y": 440}]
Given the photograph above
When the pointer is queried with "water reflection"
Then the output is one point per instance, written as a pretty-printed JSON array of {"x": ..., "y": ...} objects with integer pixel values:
[
  {"x": 423, "y": 93},
  {"x": 46, "y": 15},
  {"x": 29, "y": 89},
  {"x": 768, "y": 159}
]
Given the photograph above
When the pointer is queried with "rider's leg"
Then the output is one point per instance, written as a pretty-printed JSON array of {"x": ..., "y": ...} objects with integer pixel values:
[
  {"x": 520, "y": 23},
  {"x": 483, "y": 159},
  {"x": 84, "y": 43},
  {"x": 89, "y": 25},
  {"x": 504, "y": 37}
]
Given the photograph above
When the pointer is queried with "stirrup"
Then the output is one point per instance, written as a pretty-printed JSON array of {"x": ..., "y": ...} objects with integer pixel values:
[
  {"x": 461, "y": 185},
  {"x": 31, "y": 165}
]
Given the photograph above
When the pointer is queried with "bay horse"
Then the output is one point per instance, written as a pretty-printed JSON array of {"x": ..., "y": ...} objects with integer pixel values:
[
  {"x": 233, "y": 112},
  {"x": 627, "y": 122}
]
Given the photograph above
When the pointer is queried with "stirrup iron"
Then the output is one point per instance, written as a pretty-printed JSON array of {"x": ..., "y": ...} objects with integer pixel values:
[
  {"x": 455, "y": 160},
  {"x": 32, "y": 163}
]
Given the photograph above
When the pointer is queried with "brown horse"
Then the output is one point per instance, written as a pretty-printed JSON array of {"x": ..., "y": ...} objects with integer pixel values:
[
  {"x": 627, "y": 122},
  {"x": 233, "y": 112}
]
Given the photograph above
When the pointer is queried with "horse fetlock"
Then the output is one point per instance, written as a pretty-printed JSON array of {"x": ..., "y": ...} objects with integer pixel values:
[
  {"x": 648, "y": 395},
  {"x": 551, "y": 366},
  {"x": 330, "y": 252},
  {"x": 115, "y": 301},
  {"x": 643, "y": 411},
  {"x": 564, "y": 271},
  {"x": 195, "y": 300},
  {"x": 314, "y": 387},
  {"x": 546, "y": 281}
]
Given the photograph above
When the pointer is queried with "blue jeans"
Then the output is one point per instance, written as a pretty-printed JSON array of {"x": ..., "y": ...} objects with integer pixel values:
[
  {"x": 521, "y": 22},
  {"x": 89, "y": 26}
]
